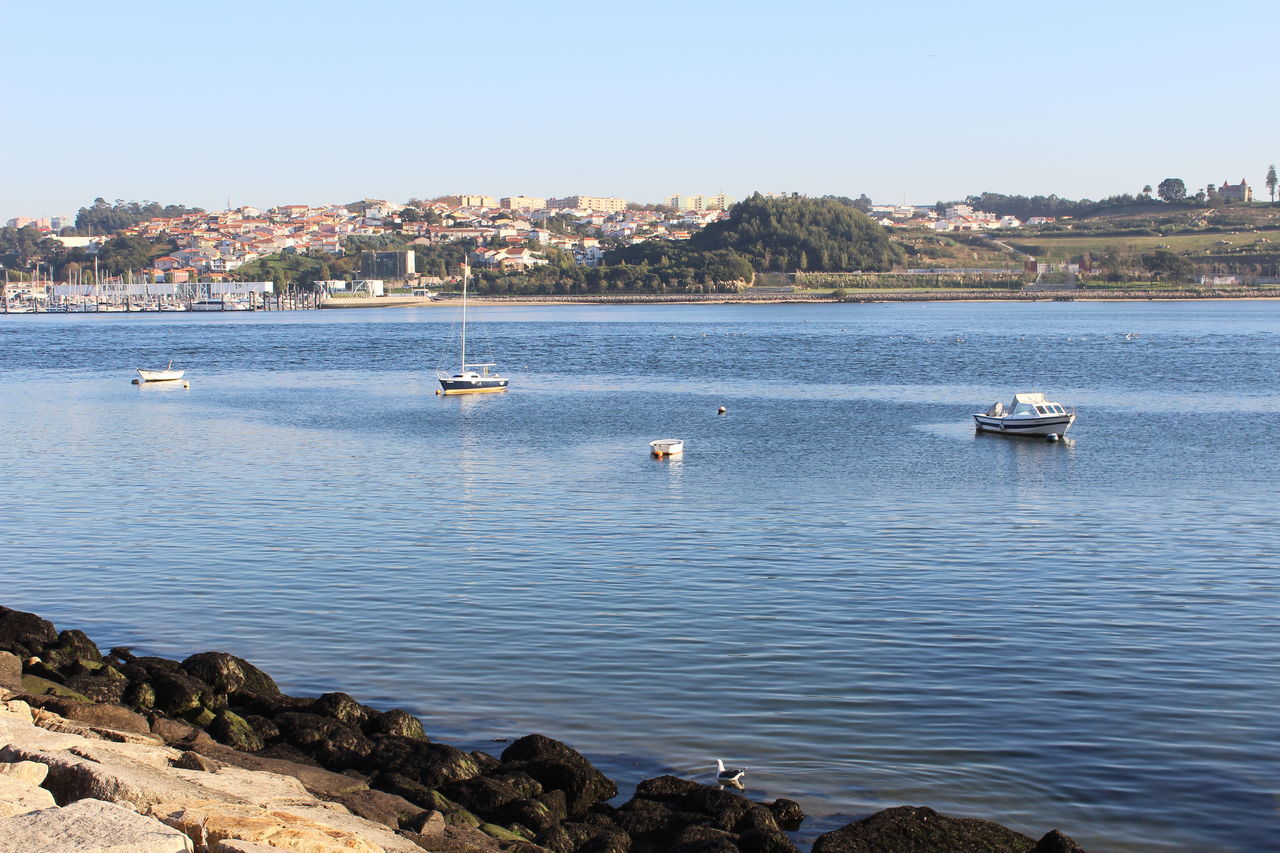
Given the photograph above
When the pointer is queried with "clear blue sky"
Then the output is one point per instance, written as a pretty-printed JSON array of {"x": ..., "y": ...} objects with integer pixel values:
[{"x": 289, "y": 102}]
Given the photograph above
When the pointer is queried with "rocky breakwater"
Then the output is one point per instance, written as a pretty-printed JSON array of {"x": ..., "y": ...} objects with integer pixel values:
[{"x": 119, "y": 752}]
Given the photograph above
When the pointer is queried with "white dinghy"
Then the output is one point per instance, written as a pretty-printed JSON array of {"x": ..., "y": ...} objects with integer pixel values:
[{"x": 166, "y": 375}]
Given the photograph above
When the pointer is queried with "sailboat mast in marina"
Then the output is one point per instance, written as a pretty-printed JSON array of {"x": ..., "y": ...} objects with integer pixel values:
[{"x": 468, "y": 380}]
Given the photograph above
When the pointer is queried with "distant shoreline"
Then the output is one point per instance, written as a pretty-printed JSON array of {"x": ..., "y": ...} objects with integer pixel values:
[{"x": 787, "y": 298}]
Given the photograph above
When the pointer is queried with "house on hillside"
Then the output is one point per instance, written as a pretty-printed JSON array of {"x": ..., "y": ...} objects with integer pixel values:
[{"x": 1233, "y": 192}]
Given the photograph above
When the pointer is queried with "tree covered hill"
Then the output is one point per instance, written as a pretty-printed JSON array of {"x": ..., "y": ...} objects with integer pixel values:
[
  {"x": 781, "y": 235},
  {"x": 784, "y": 234}
]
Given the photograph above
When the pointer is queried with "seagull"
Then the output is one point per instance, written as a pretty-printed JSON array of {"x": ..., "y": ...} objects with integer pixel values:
[{"x": 729, "y": 775}]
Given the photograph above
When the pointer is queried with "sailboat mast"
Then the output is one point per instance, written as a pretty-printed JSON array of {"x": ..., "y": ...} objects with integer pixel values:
[{"x": 466, "y": 273}]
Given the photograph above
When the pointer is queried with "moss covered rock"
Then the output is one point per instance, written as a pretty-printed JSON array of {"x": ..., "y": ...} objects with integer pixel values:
[
  {"x": 37, "y": 686},
  {"x": 233, "y": 730}
]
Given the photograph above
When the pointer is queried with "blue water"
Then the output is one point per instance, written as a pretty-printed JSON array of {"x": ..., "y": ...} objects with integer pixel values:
[{"x": 839, "y": 585}]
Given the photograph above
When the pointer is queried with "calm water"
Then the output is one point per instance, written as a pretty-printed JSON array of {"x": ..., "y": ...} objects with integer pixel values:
[{"x": 840, "y": 585}]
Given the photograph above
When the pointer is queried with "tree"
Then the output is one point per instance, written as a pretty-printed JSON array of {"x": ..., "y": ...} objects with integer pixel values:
[
  {"x": 1172, "y": 189},
  {"x": 1169, "y": 266},
  {"x": 123, "y": 254},
  {"x": 1146, "y": 190},
  {"x": 1271, "y": 181}
]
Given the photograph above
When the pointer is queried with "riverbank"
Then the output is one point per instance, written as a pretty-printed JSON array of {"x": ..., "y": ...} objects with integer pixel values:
[
  {"x": 858, "y": 296},
  {"x": 207, "y": 754}
]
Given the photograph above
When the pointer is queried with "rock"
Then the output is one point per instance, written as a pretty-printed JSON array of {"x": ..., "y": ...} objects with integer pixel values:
[
  {"x": 288, "y": 752},
  {"x": 99, "y": 682},
  {"x": 37, "y": 667},
  {"x": 558, "y": 766},
  {"x": 414, "y": 792},
  {"x": 19, "y": 796},
  {"x": 195, "y": 761},
  {"x": 232, "y": 845},
  {"x": 266, "y": 729},
  {"x": 535, "y": 814},
  {"x": 96, "y": 714},
  {"x": 292, "y": 827},
  {"x": 430, "y": 764},
  {"x": 787, "y": 813},
  {"x": 1055, "y": 842},
  {"x": 556, "y": 804},
  {"x": 343, "y": 708},
  {"x": 723, "y": 808},
  {"x": 89, "y": 826},
  {"x": 758, "y": 832},
  {"x": 703, "y": 839},
  {"x": 30, "y": 772},
  {"x": 68, "y": 647},
  {"x": 139, "y": 695},
  {"x": 199, "y": 716},
  {"x": 180, "y": 694},
  {"x": 757, "y": 818},
  {"x": 666, "y": 788},
  {"x": 651, "y": 824},
  {"x": 379, "y": 807},
  {"x": 917, "y": 829},
  {"x": 144, "y": 668},
  {"x": 486, "y": 797},
  {"x": 230, "y": 675},
  {"x": 24, "y": 634},
  {"x": 584, "y": 838},
  {"x": 176, "y": 732},
  {"x": 334, "y": 744},
  {"x": 232, "y": 729},
  {"x": 501, "y": 833},
  {"x": 34, "y": 685},
  {"x": 486, "y": 762},
  {"x": 428, "y": 824},
  {"x": 754, "y": 841},
  {"x": 396, "y": 722},
  {"x": 10, "y": 671},
  {"x": 318, "y": 781}
]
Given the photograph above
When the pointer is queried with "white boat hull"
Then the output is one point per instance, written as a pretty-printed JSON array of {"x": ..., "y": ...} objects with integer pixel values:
[
  {"x": 666, "y": 447},
  {"x": 160, "y": 375},
  {"x": 1022, "y": 425}
]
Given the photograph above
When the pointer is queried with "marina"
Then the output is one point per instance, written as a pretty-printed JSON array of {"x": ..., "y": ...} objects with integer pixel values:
[
  {"x": 125, "y": 296},
  {"x": 834, "y": 620}
]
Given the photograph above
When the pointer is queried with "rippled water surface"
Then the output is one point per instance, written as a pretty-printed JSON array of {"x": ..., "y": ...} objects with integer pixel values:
[{"x": 839, "y": 585}]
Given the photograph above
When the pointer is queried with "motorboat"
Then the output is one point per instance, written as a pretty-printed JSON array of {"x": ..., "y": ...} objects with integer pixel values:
[
  {"x": 166, "y": 375},
  {"x": 1028, "y": 414},
  {"x": 666, "y": 447}
]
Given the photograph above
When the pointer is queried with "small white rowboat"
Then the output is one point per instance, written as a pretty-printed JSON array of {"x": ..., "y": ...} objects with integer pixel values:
[
  {"x": 166, "y": 375},
  {"x": 667, "y": 447}
]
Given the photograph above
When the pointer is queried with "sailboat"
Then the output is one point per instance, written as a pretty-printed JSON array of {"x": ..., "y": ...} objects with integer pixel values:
[{"x": 467, "y": 380}]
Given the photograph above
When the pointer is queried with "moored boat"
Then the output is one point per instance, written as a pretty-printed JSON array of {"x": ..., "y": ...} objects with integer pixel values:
[
  {"x": 468, "y": 380},
  {"x": 166, "y": 375},
  {"x": 1028, "y": 414},
  {"x": 666, "y": 447},
  {"x": 217, "y": 304}
]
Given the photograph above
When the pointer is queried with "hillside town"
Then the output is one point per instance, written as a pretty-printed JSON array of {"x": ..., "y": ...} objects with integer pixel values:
[
  {"x": 131, "y": 256},
  {"x": 505, "y": 231}
]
